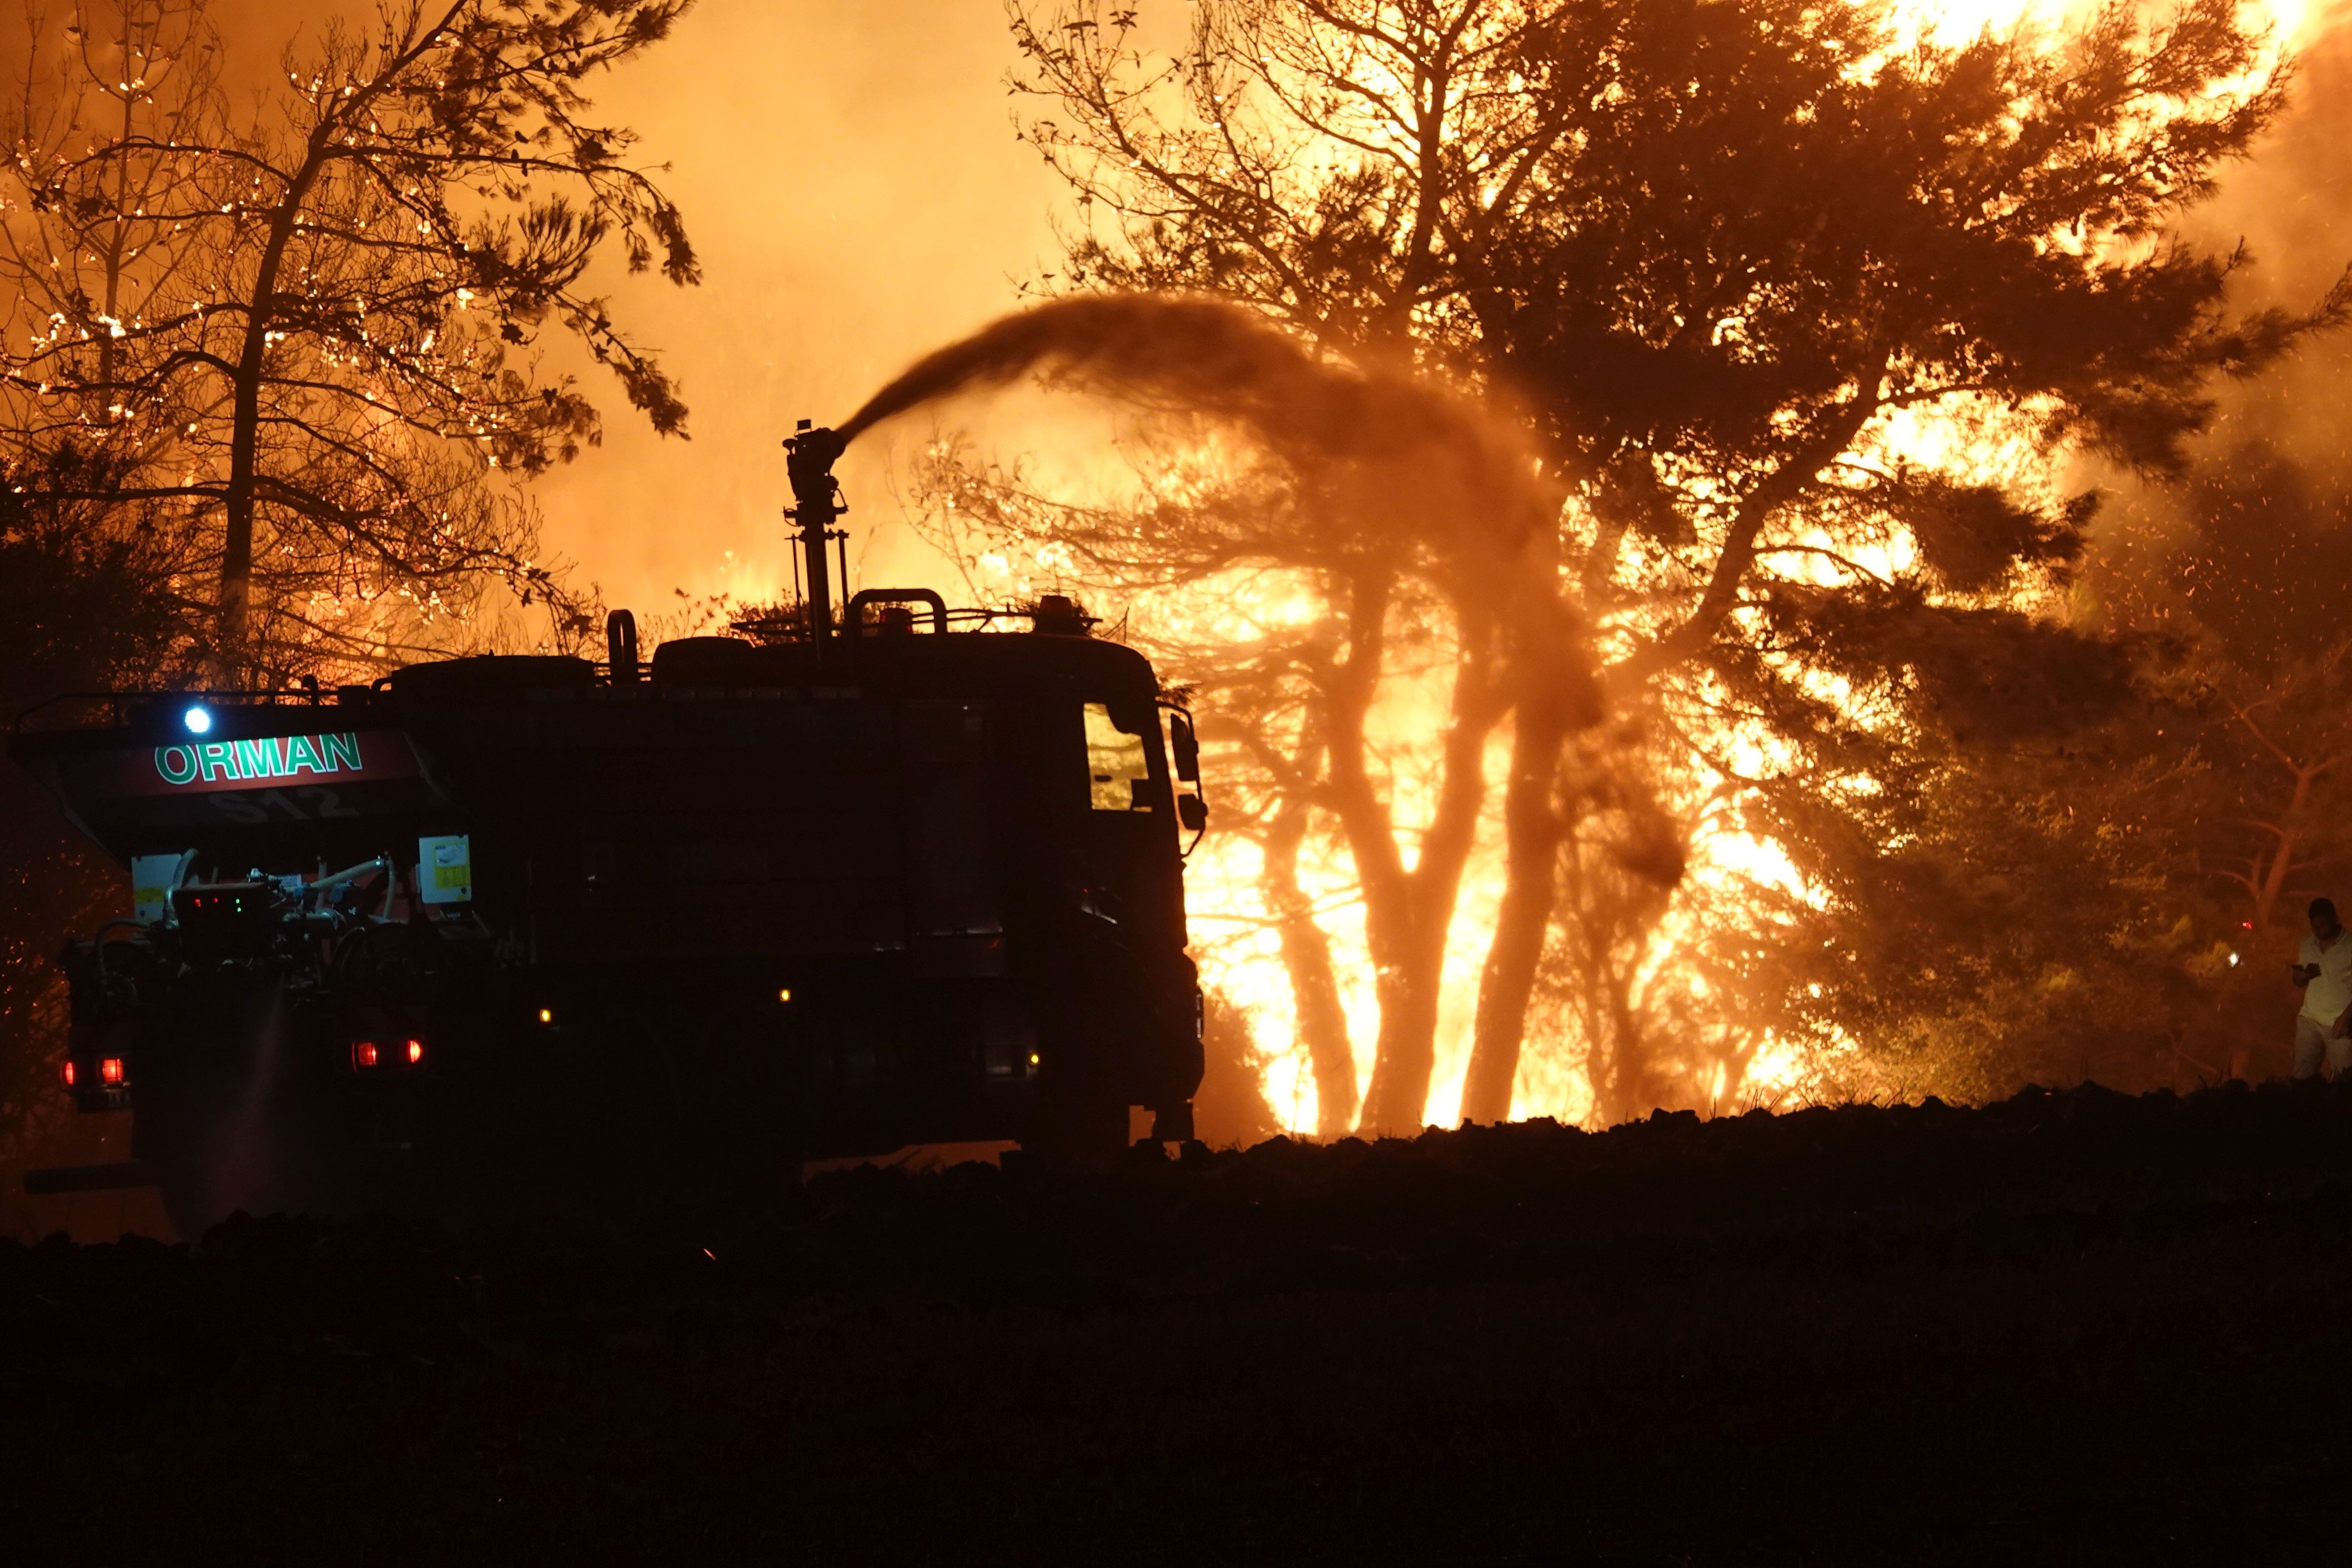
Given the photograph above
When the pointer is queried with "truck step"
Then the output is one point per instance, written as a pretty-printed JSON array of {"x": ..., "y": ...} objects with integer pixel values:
[{"x": 87, "y": 1178}]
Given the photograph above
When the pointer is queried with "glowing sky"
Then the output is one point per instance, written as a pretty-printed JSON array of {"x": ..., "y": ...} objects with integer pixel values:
[{"x": 850, "y": 174}]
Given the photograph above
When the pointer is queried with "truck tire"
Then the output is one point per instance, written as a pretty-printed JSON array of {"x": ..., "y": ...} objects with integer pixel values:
[{"x": 1081, "y": 1129}]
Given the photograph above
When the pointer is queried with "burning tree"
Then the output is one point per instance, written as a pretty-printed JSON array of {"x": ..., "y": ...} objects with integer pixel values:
[
  {"x": 1803, "y": 310},
  {"x": 1411, "y": 511},
  {"x": 2238, "y": 570},
  {"x": 1295, "y": 698},
  {"x": 317, "y": 328}
]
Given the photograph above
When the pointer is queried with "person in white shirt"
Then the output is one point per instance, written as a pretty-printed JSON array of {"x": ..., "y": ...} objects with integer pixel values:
[{"x": 2325, "y": 973}]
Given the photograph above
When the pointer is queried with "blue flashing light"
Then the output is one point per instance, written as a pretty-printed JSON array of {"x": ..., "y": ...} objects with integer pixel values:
[{"x": 199, "y": 718}]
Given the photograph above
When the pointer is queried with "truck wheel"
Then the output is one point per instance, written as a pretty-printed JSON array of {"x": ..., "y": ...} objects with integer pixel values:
[{"x": 1084, "y": 1129}]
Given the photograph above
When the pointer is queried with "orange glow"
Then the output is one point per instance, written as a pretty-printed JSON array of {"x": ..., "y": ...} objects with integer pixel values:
[
  {"x": 1237, "y": 938},
  {"x": 109, "y": 1069},
  {"x": 1953, "y": 22}
]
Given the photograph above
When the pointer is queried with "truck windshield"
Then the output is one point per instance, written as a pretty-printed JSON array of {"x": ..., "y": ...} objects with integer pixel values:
[{"x": 1115, "y": 760}]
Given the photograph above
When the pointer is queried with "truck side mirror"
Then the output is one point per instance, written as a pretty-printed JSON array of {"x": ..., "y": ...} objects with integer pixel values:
[
  {"x": 1192, "y": 812},
  {"x": 1187, "y": 746}
]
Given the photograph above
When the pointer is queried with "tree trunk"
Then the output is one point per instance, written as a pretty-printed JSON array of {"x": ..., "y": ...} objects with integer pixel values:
[
  {"x": 1532, "y": 829},
  {"x": 1314, "y": 981},
  {"x": 1409, "y": 916},
  {"x": 1405, "y": 911},
  {"x": 1398, "y": 1102},
  {"x": 1553, "y": 702},
  {"x": 2273, "y": 882},
  {"x": 232, "y": 657},
  {"x": 1629, "y": 1089},
  {"x": 107, "y": 356}
]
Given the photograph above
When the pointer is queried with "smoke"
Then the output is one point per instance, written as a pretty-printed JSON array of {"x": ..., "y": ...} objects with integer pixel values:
[
  {"x": 2254, "y": 539},
  {"x": 2290, "y": 204}
]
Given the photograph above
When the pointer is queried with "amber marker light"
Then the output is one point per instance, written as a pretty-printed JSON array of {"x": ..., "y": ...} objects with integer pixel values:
[
  {"x": 546, "y": 1014},
  {"x": 785, "y": 994}
]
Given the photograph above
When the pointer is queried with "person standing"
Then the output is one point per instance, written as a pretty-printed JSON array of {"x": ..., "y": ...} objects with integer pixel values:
[{"x": 2324, "y": 1027}]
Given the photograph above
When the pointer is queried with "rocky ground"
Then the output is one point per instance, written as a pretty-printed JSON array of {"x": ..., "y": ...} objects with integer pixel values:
[{"x": 2069, "y": 1327}]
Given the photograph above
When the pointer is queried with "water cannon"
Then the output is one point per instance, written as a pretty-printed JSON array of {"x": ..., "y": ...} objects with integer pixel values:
[{"x": 809, "y": 455}]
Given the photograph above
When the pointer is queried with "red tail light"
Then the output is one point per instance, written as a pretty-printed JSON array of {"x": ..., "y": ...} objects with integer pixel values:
[
  {"x": 415, "y": 1052},
  {"x": 67, "y": 1072},
  {"x": 364, "y": 1054},
  {"x": 109, "y": 1069}
]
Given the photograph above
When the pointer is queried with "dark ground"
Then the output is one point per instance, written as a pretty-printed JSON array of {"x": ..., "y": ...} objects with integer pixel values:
[{"x": 2068, "y": 1328}]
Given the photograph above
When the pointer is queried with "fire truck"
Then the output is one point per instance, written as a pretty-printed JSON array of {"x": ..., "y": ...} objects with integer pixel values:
[{"x": 524, "y": 928}]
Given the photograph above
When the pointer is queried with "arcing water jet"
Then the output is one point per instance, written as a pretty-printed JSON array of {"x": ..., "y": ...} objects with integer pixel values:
[
  {"x": 1402, "y": 459},
  {"x": 1395, "y": 478}
]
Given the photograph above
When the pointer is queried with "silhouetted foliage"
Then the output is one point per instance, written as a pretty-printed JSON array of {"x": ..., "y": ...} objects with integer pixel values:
[
  {"x": 1729, "y": 257},
  {"x": 318, "y": 325}
]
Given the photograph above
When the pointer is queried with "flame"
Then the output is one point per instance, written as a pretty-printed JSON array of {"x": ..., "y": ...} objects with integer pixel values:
[
  {"x": 1235, "y": 935},
  {"x": 1947, "y": 23}
]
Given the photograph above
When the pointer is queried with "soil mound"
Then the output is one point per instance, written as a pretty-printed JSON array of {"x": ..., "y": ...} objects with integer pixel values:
[
  {"x": 2069, "y": 1328},
  {"x": 1846, "y": 1189}
]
